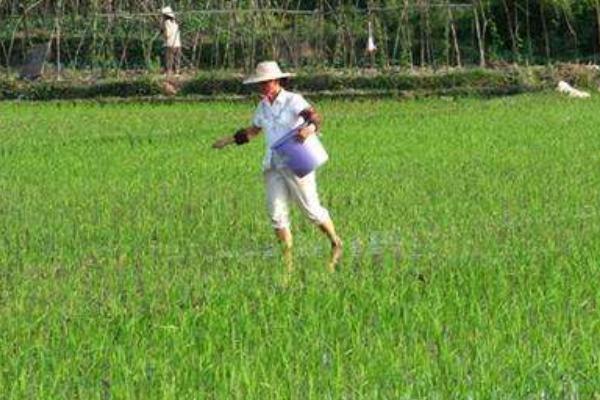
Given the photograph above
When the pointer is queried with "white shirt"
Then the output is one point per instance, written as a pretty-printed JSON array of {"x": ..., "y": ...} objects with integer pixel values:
[
  {"x": 278, "y": 119},
  {"x": 171, "y": 32}
]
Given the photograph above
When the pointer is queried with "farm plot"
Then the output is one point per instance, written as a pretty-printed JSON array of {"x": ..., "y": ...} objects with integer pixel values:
[{"x": 137, "y": 262}]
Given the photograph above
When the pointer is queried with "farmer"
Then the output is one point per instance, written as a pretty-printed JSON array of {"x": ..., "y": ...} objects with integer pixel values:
[
  {"x": 170, "y": 31},
  {"x": 277, "y": 114}
]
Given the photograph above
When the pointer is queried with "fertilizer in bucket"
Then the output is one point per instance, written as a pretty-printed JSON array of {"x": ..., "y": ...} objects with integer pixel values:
[{"x": 301, "y": 157}]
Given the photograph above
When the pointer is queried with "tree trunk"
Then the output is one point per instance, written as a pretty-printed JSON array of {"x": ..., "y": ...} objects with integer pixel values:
[
  {"x": 57, "y": 41},
  {"x": 422, "y": 35},
  {"x": 511, "y": 32},
  {"x": 397, "y": 39},
  {"x": 94, "y": 38},
  {"x": 572, "y": 31},
  {"x": 429, "y": 47},
  {"x": 545, "y": 31},
  {"x": 407, "y": 49},
  {"x": 528, "y": 32},
  {"x": 26, "y": 42},
  {"x": 480, "y": 36},
  {"x": 454, "y": 39},
  {"x": 598, "y": 24}
]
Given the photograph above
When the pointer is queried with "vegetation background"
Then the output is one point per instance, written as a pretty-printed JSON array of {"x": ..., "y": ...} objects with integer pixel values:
[{"x": 121, "y": 34}]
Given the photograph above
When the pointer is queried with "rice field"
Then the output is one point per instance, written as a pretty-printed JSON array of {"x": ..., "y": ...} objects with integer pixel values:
[{"x": 137, "y": 262}]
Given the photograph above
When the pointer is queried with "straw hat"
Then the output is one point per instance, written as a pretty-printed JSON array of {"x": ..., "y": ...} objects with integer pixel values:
[
  {"x": 267, "y": 71},
  {"x": 168, "y": 11}
]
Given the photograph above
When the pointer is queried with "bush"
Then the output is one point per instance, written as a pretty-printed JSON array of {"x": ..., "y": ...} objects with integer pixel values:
[
  {"x": 52, "y": 90},
  {"x": 214, "y": 84}
]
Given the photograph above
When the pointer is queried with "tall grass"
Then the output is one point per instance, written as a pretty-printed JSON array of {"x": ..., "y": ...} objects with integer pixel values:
[{"x": 139, "y": 263}]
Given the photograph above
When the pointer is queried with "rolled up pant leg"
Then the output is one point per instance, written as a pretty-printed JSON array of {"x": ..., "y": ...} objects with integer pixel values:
[
  {"x": 169, "y": 58},
  {"x": 177, "y": 59},
  {"x": 278, "y": 199},
  {"x": 304, "y": 192}
]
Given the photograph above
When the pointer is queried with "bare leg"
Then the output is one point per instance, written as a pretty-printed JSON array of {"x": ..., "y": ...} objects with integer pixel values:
[
  {"x": 285, "y": 237},
  {"x": 304, "y": 192},
  {"x": 336, "y": 243}
]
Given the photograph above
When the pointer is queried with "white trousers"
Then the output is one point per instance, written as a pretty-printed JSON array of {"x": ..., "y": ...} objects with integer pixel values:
[{"x": 283, "y": 187}]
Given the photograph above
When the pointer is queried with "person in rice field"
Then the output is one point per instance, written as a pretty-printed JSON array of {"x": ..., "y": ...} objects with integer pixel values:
[
  {"x": 172, "y": 41},
  {"x": 277, "y": 114}
]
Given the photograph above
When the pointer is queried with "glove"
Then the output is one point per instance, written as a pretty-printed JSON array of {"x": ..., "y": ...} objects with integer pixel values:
[{"x": 241, "y": 137}]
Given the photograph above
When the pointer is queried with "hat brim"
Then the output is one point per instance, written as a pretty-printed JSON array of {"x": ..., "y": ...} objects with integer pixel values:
[{"x": 264, "y": 78}]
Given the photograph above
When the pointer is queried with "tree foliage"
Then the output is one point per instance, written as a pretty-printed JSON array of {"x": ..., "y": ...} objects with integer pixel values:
[{"x": 235, "y": 34}]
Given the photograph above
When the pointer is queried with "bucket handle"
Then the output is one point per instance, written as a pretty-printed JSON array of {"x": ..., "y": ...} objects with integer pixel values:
[{"x": 289, "y": 134}]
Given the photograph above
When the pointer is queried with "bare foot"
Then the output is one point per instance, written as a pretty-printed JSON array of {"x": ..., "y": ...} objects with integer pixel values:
[{"x": 336, "y": 254}]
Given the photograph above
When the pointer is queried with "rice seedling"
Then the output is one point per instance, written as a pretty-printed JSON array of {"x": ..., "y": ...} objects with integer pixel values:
[{"x": 139, "y": 263}]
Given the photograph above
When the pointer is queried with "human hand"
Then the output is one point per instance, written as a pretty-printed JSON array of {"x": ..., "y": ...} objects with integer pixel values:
[{"x": 304, "y": 133}]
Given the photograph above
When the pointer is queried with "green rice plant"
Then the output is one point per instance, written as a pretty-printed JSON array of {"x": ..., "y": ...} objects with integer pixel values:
[{"x": 137, "y": 262}]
